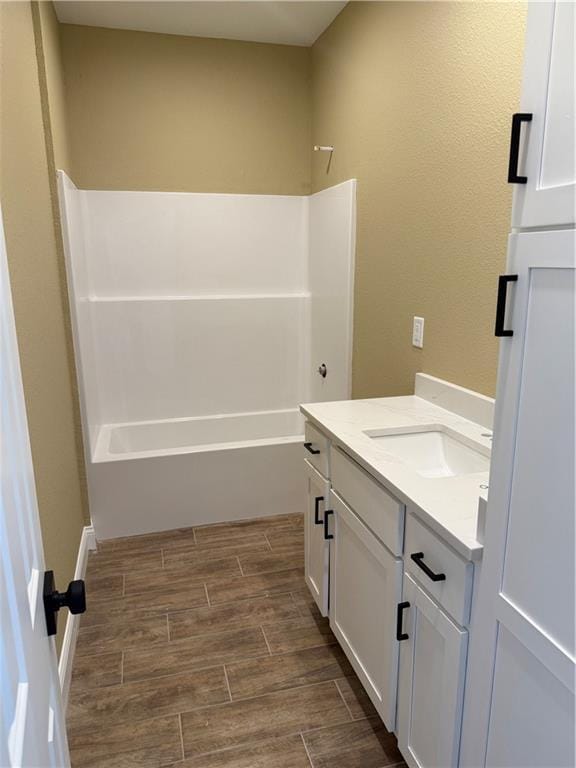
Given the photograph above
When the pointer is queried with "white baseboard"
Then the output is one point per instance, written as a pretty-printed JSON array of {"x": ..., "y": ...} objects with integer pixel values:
[{"x": 87, "y": 543}]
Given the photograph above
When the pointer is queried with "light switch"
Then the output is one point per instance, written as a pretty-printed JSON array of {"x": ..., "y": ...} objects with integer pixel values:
[{"x": 418, "y": 332}]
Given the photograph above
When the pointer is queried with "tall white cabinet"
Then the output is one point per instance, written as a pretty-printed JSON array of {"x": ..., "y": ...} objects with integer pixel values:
[
  {"x": 519, "y": 702},
  {"x": 542, "y": 147}
]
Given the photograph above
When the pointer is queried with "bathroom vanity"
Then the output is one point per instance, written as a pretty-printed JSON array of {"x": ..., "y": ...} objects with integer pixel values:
[{"x": 392, "y": 549}]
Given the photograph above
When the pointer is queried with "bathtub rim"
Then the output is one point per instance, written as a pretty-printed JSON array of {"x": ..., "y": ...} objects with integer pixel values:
[{"x": 103, "y": 455}]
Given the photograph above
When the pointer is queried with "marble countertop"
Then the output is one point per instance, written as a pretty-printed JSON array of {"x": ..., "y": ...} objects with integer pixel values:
[{"x": 448, "y": 505}]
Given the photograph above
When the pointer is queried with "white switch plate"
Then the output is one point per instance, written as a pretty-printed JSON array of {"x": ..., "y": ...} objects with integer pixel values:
[{"x": 418, "y": 332}]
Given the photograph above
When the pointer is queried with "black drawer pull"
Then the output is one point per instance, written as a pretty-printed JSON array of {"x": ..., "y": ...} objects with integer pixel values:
[
  {"x": 317, "y": 501},
  {"x": 503, "y": 281},
  {"x": 327, "y": 513},
  {"x": 418, "y": 558},
  {"x": 309, "y": 448},
  {"x": 400, "y": 635},
  {"x": 517, "y": 120}
]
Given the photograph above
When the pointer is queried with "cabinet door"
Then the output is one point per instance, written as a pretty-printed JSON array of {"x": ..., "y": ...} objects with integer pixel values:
[
  {"x": 546, "y": 157},
  {"x": 365, "y": 587},
  {"x": 316, "y": 547},
  {"x": 519, "y": 708},
  {"x": 431, "y": 682}
]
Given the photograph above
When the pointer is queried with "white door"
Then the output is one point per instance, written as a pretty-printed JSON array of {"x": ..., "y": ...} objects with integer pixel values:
[
  {"x": 431, "y": 682},
  {"x": 365, "y": 588},
  {"x": 519, "y": 709},
  {"x": 544, "y": 156},
  {"x": 316, "y": 545},
  {"x": 32, "y": 731},
  {"x": 332, "y": 233}
]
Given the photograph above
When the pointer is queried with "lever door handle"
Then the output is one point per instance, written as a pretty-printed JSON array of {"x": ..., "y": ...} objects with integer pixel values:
[{"x": 74, "y": 599}]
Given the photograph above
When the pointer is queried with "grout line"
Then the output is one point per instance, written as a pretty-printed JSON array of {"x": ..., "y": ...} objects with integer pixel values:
[
  {"x": 266, "y": 641},
  {"x": 238, "y": 699},
  {"x": 227, "y": 682},
  {"x": 207, "y": 595},
  {"x": 256, "y": 696},
  {"x": 181, "y": 735},
  {"x": 232, "y": 662},
  {"x": 160, "y": 678},
  {"x": 345, "y": 702},
  {"x": 306, "y": 750}
]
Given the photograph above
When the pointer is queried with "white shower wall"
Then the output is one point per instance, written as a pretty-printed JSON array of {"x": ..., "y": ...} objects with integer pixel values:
[
  {"x": 190, "y": 305},
  {"x": 152, "y": 244}
]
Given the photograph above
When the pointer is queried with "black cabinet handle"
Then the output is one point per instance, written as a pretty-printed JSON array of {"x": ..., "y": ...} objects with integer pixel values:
[
  {"x": 317, "y": 501},
  {"x": 418, "y": 558},
  {"x": 399, "y": 616},
  {"x": 517, "y": 120},
  {"x": 309, "y": 448},
  {"x": 503, "y": 281},
  {"x": 327, "y": 513}
]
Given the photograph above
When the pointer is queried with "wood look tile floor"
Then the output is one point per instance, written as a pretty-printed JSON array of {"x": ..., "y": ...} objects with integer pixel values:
[{"x": 201, "y": 648}]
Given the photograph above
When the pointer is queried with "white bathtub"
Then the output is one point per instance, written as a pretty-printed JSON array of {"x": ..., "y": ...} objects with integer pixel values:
[{"x": 157, "y": 475}]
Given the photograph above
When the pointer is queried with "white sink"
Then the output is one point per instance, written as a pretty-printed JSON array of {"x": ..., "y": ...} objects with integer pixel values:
[{"x": 433, "y": 450}]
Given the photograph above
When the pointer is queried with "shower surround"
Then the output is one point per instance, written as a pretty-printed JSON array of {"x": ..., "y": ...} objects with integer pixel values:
[{"x": 199, "y": 322}]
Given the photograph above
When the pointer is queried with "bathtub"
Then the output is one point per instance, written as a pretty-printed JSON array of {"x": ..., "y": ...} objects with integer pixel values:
[{"x": 158, "y": 475}]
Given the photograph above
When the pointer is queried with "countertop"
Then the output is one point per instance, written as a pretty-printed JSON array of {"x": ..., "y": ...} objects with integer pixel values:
[{"x": 448, "y": 505}]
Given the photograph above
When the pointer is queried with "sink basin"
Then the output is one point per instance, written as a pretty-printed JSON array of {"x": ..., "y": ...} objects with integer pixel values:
[{"x": 433, "y": 451}]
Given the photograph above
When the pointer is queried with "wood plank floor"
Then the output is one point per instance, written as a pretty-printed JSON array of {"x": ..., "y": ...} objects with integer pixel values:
[{"x": 201, "y": 648}]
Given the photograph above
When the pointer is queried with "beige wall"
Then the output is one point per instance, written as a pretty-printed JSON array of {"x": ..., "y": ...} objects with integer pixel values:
[
  {"x": 417, "y": 100},
  {"x": 51, "y": 72},
  {"x": 36, "y": 274},
  {"x": 165, "y": 112}
]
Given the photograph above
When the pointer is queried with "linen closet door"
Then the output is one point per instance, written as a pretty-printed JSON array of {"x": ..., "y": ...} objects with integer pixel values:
[
  {"x": 520, "y": 708},
  {"x": 543, "y": 159}
]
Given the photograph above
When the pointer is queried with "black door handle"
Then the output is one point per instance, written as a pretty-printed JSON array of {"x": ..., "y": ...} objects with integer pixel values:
[
  {"x": 400, "y": 635},
  {"x": 418, "y": 558},
  {"x": 517, "y": 120},
  {"x": 317, "y": 501},
  {"x": 327, "y": 513},
  {"x": 74, "y": 599},
  {"x": 309, "y": 448},
  {"x": 503, "y": 281}
]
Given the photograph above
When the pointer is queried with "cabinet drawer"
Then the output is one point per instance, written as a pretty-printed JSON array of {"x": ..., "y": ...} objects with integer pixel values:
[
  {"x": 380, "y": 511},
  {"x": 454, "y": 592},
  {"x": 316, "y": 449}
]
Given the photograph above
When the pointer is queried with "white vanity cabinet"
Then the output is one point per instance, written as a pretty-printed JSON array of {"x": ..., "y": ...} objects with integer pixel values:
[
  {"x": 431, "y": 681},
  {"x": 316, "y": 543},
  {"x": 365, "y": 588},
  {"x": 436, "y": 599},
  {"x": 542, "y": 150},
  {"x": 399, "y": 603}
]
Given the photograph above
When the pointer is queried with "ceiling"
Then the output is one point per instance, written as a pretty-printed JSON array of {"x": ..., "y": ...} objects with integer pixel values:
[{"x": 299, "y": 22}]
